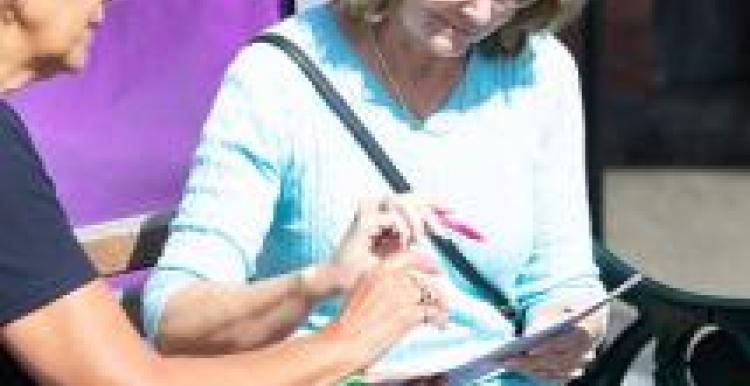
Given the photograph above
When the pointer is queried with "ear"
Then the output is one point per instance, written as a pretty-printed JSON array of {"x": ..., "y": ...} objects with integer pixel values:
[{"x": 8, "y": 12}]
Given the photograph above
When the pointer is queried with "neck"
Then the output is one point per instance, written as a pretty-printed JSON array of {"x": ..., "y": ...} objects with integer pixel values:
[
  {"x": 418, "y": 79},
  {"x": 415, "y": 60}
]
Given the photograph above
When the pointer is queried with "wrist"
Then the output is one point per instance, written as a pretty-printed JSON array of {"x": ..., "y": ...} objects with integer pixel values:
[
  {"x": 543, "y": 315},
  {"x": 327, "y": 358},
  {"x": 316, "y": 282},
  {"x": 355, "y": 350}
]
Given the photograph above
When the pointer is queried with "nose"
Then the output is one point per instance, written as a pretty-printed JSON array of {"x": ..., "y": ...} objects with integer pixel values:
[
  {"x": 479, "y": 12},
  {"x": 97, "y": 14}
]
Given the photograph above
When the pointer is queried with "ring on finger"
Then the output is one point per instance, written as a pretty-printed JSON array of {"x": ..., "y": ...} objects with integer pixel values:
[
  {"x": 384, "y": 205},
  {"x": 425, "y": 295},
  {"x": 425, "y": 315}
]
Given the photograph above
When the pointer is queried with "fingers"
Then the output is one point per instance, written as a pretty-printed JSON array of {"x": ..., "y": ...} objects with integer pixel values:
[
  {"x": 395, "y": 297},
  {"x": 388, "y": 234},
  {"x": 409, "y": 212},
  {"x": 386, "y": 303},
  {"x": 562, "y": 357},
  {"x": 387, "y": 231},
  {"x": 381, "y": 228},
  {"x": 417, "y": 261},
  {"x": 423, "y": 216},
  {"x": 427, "y": 295},
  {"x": 410, "y": 216},
  {"x": 574, "y": 342},
  {"x": 552, "y": 363},
  {"x": 546, "y": 368},
  {"x": 432, "y": 298}
]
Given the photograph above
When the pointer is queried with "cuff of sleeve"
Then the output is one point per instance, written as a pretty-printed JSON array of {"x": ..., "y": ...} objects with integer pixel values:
[
  {"x": 38, "y": 295},
  {"x": 158, "y": 290}
]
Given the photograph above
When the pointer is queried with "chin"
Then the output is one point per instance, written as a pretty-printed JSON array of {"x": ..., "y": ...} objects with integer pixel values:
[
  {"x": 448, "y": 48},
  {"x": 75, "y": 66},
  {"x": 76, "y": 60}
]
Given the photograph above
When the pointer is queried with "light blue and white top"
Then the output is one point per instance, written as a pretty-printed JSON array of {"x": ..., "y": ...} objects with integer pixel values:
[{"x": 277, "y": 179}]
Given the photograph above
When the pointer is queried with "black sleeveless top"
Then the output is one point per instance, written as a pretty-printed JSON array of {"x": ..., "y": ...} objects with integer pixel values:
[{"x": 40, "y": 259}]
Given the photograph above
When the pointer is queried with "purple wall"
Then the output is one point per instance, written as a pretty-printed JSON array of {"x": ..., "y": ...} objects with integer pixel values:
[{"x": 118, "y": 138}]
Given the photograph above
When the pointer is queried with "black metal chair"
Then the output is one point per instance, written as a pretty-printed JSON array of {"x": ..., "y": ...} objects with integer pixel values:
[
  {"x": 701, "y": 340},
  {"x": 123, "y": 252}
]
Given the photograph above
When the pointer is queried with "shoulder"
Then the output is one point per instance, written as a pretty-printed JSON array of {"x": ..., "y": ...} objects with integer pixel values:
[
  {"x": 40, "y": 258},
  {"x": 549, "y": 46},
  {"x": 544, "y": 62},
  {"x": 18, "y": 159},
  {"x": 311, "y": 30},
  {"x": 552, "y": 58},
  {"x": 12, "y": 129},
  {"x": 315, "y": 31},
  {"x": 269, "y": 81}
]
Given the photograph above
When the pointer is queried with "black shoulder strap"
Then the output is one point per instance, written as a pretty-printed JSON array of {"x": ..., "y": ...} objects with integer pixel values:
[
  {"x": 336, "y": 103},
  {"x": 384, "y": 164}
]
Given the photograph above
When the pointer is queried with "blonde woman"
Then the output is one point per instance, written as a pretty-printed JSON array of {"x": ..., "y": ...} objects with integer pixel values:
[{"x": 474, "y": 100}]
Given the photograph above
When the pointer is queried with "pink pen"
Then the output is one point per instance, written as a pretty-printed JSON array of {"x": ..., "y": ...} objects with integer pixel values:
[{"x": 459, "y": 226}]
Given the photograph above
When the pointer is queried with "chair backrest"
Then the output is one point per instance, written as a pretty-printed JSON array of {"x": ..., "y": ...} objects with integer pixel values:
[
  {"x": 125, "y": 245},
  {"x": 123, "y": 251}
]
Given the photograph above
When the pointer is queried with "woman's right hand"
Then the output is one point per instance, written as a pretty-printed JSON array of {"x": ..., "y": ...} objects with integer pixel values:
[{"x": 390, "y": 299}]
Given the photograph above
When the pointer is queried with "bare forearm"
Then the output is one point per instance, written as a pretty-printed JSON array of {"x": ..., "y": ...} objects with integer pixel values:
[
  {"x": 86, "y": 339},
  {"x": 232, "y": 318},
  {"x": 315, "y": 360}
]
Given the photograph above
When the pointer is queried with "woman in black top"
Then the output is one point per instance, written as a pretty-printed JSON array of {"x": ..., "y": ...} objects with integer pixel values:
[{"x": 63, "y": 326}]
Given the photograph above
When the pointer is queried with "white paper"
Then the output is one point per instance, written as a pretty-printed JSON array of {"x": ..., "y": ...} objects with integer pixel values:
[
  {"x": 527, "y": 342},
  {"x": 499, "y": 353}
]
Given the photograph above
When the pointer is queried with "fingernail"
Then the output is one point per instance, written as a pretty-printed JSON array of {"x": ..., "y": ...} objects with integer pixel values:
[
  {"x": 425, "y": 262},
  {"x": 441, "y": 210}
]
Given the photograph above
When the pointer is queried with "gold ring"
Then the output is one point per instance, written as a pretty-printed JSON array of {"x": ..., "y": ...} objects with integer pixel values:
[
  {"x": 425, "y": 295},
  {"x": 384, "y": 205}
]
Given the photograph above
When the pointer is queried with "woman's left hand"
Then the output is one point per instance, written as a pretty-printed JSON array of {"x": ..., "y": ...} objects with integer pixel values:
[
  {"x": 564, "y": 357},
  {"x": 381, "y": 228}
]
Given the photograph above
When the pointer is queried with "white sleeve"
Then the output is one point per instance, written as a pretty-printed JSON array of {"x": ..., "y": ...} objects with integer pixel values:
[
  {"x": 561, "y": 267},
  {"x": 229, "y": 199}
]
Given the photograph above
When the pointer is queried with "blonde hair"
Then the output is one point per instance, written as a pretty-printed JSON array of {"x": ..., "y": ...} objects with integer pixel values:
[{"x": 509, "y": 39}]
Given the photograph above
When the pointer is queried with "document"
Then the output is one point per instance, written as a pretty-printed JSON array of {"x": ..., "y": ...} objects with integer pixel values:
[
  {"x": 525, "y": 343},
  {"x": 477, "y": 365}
]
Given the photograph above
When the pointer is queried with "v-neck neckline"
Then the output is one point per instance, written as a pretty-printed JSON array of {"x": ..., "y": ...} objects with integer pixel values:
[{"x": 459, "y": 96}]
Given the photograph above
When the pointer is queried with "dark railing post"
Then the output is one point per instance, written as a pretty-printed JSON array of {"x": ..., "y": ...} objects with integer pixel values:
[{"x": 593, "y": 40}]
